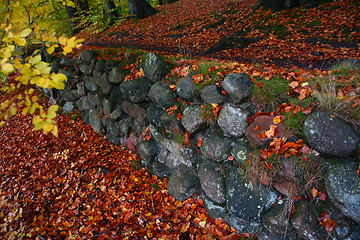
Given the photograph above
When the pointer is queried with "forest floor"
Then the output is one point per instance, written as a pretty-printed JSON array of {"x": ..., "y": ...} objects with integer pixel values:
[{"x": 78, "y": 186}]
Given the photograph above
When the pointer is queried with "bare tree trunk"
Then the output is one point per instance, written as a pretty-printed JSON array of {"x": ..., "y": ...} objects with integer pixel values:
[
  {"x": 141, "y": 8},
  {"x": 111, "y": 11},
  {"x": 279, "y": 5},
  {"x": 73, "y": 17}
]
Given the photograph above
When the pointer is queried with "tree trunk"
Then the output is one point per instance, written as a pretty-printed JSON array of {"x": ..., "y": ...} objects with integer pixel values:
[
  {"x": 279, "y": 5},
  {"x": 73, "y": 17},
  {"x": 111, "y": 11},
  {"x": 141, "y": 8}
]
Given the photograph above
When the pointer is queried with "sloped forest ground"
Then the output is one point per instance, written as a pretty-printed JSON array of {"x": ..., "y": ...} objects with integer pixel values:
[{"x": 78, "y": 186}]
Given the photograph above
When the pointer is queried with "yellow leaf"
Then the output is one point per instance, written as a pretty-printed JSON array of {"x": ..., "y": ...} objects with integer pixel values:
[
  {"x": 47, "y": 127},
  {"x": 20, "y": 41},
  {"x": 67, "y": 50},
  {"x": 50, "y": 50},
  {"x": 277, "y": 119},
  {"x": 13, "y": 111},
  {"x": 18, "y": 64},
  {"x": 30, "y": 91},
  {"x": 24, "y": 33},
  {"x": 2, "y": 123},
  {"x": 53, "y": 108},
  {"x": 25, "y": 111},
  {"x": 4, "y": 104},
  {"x": 35, "y": 60},
  {"x": 202, "y": 223},
  {"x": 41, "y": 65},
  {"x": 58, "y": 77},
  {"x": 7, "y": 68},
  {"x": 62, "y": 41},
  {"x": 55, "y": 131}
]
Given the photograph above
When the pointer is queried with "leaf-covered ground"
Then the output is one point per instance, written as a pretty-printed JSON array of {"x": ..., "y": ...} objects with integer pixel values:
[
  {"x": 79, "y": 186},
  {"x": 305, "y": 37}
]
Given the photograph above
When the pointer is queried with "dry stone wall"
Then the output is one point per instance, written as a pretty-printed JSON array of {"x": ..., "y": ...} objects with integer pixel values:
[{"x": 128, "y": 111}]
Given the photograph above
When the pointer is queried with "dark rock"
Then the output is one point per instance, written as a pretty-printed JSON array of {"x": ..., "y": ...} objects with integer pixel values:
[
  {"x": 132, "y": 141},
  {"x": 232, "y": 120},
  {"x": 241, "y": 150},
  {"x": 306, "y": 223},
  {"x": 212, "y": 181},
  {"x": 162, "y": 94},
  {"x": 84, "y": 104},
  {"x": 343, "y": 188},
  {"x": 355, "y": 235},
  {"x": 110, "y": 64},
  {"x": 108, "y": 106},
  {"x": 192, "y": 120},
  {"x": 136, "y": 90},
  {"x": 331, "y": 135},
  {"x": 238, "y": 86},
  {"x": 126, "y": 126},
  {"x": 277, "y": 220},
  {"x": 87, "y": 56},
  {"x": 68, "y": 73},
  {"x": 68, "y": 62},
  {"x": 245, "y": 200},
  {"x": 83, "y": 68},
  {"x": 95, "y": 121},
  {"x": 172, "y": 124},
  {"x": 104, "y": 84},
  {"x": 80, "y": 88},
  {"x": 160, "y": 169},
  {"x": 117, "y": 114},
  {"x": 183, "y": 182},
  {"x": 112, "y": 127},
  {"x": 90, "y": 84},
  {"x": 148, "y": 149},
  {"x": 55, "y": 65},
  {"x": 135, "y": 111},
  {"x": 155, "y": 67},
  {"x": 97, "y": 100},
  {"x": 91, "y": 67},
  {"x": 212, "y": 94},
  {"x": 262, "y": 123},
  {"x": 216, "y": 147},
  {"x": 187, "y": 89},
  {"x": 70, "y": 95},
  {"x": 116, "y": 75},
  {"x": 100, "y": 66},
  {"x": 115, "y": 95},
  {"x": 264, "y": 234},
  {"x": 153, "y": 115},
  {"x": 184, "y": 154}
]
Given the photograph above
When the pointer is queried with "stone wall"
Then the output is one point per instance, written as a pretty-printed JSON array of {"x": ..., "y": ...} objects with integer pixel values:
[{"x": 140, "y": 114}]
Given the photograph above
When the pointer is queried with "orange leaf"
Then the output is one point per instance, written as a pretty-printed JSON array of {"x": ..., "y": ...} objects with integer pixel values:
[
  {"x": 257, "y": 128},
  {"x": 185, "y": 227},
  {"x": 271, "y": 133},
  {"x": 179, "y": 116},
  {"x": 199, "y": 142},
  {"x": 294, "y": 84},
  {"x": 314, "y": 192},
  {"x": 230, "y": 158},
  {"x": 322, "y": 196}
]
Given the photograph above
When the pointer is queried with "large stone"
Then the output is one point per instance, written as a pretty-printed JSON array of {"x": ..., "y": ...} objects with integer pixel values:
[
  {"x": 306, "y": 223},
  {"x": 183, "y": 182},
  {"x": 169, "y": 159},
  {"x": 238, "y": 86},
  {"x": 241, "y": 150},
  {"x": 155, "y": 67},
  {"x": 110, "y": 64},
  {"x": 263, "y": 123},
  {"x": 216, "y": 147},
  {"x": 115, "y": 94},
  {"x": 87, "y": 56},
  {"x": 95, "y": 121},
  {"x": 103, "y": 83},
  {"x": 331, "y": 135},
  {"x": 90, "y": 84},
  {"x": 135, "y": 111},
  {"x": 116, "y": 75},
  {"x": 342, "y": 185},
  {"x": 126, "y": 125},
  {"x": 55, "y": 65},
  {"x": 244, "y": 200},
  {"x": 232, "y": 120},
  {"x": 187, "y": 89},
  {"x": 147, "y": 149},
  {"x": 277, "y": 220},
  {"x": 70, "y": 95},
  {"x": 192, "y": 120},
  {"x": 212, "y": 181},
  {"x": 160, "y": 169},
  {"x": 171, "y": 123},
  {"x": 286, "y": 186},
  {"x": 136, "y": 90},
  {"x": 162, "y": 95},
  {"x": 100, "y": 66},
  {"x": 68, "y": 107},
  {"x": 153, "y": 115},
  {"x": 91, "y": 67},
  {"x": 212, "y": 94},
  {"x": 184, "y": 154}
]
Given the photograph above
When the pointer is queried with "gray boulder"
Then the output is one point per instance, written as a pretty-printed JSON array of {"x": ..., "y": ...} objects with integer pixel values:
[
  {"x": 100, "y": 66},
  {"x": 68, "y": 73},
  {"x": 160, "y": 169},
  {"x": 90, "y": 84},
  {"x": 244, "y": 200},
  {"x": 110, "y": 64},
  {"x": 126, "y": 125},
  {"x": 116, "y": 75},
  {"x": 70, "y": 95},
  {"x": 184, "y": 154},
  {"x": 115, "y": 94},
  {"x": 238, "y": 86},
  {"x": 169, "y": 159},
  {"x": 306, "y": 223},
  {"x": 241, "y": 150},
  {"x": 68, "y": 107},
  {"x": 187, "y": 89},
  {"x": 103, "y": 83},
  {"x": 147, "y": 149},
  {"x": 95, "y": 121},
  {"x": 155, "y": 67},
  {"x": 153, "y": 115},
  {"x": 212, "y": 94},
  {"x": 342, "y": 184},
  {"x": 212, "y": 181},
  {"x": 162, "y": 94},
  {"x": 171, "y": 123},
  {"x": 55, "y": 65},
  {"x": 183, "y": 182},
  {"x": 331, "y": 135},
  {"x": 90, "y": 68},
  {"x": 136, "y": 90},
  {"x": 192, "y": 120},
  {"x": 232, "y": 120},
  {"x": 216, "y": 147},
  {"x": 87, "y": 56},
  {"x": 135, "y": 111}
]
